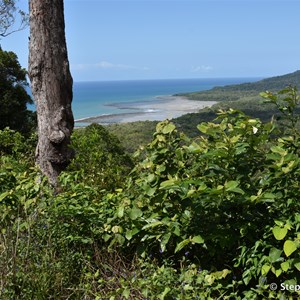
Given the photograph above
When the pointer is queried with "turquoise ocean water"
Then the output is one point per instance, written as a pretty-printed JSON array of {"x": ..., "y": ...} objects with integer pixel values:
[
  {"x": 116, "y": 97},
  {"x": 97, "y": 98}
]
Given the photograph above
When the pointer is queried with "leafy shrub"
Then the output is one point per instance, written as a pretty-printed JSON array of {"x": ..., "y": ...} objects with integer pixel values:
[
  {"x": 100, "y": 159},
  {"x": 214, "y": 200},
  {"x": 13, "y": 143},
  {"x": 133, "y": 135}
]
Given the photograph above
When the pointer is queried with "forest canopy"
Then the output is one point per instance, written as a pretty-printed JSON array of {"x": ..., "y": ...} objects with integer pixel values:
[{"x": 13, "y": 95}]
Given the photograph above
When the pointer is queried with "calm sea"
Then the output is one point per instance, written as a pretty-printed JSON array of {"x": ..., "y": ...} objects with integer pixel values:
[{"x": 111, "y": 97}]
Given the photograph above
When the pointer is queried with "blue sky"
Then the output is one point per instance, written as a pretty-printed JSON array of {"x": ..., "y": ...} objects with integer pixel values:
[{"x": 154, "y": 39}]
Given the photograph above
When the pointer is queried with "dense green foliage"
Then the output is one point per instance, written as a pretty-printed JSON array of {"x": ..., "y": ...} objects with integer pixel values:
[
  {"x": 100, "y": 158},
  {"x": 133, "y": 134},
  {"x": 211, "y": 217},
  {"x": 13, "y": 96}
]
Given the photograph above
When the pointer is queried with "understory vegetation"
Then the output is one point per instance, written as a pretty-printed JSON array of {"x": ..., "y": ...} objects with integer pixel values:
[{"x": 214, "y": 216}]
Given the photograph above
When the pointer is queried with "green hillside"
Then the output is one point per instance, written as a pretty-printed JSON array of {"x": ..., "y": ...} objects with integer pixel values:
[
  {"x": 244, "y": 97},
  {"x": 245, "y": 90},
  {"x": 272, "y": 83}
]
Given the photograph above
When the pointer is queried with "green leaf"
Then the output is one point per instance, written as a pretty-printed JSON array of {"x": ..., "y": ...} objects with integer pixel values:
[
  {"x": 168, "y": 128},
  {"x": 4, "y": 195},
  {"x": 135, "y": 213},
  {"x": 210, "y": 279},
  {"x": 279, "y": 150},
  {"x": 120, "y": 211},
  {"x": 150, "y": 191},
  {"x": 265, "y": 269},
  {"x": 165, "y": 292},
  {"x": 161, "y": 138},
  {"x": 182, "y": 244},
  {"x": 130, "y": 233},
  {"x": 279, "y": 223},
  {"x": 265, "y": 94},
  {"x": 274, "y": 254},
  {"x": 289, "y": 167},
  {"x": 176, "y": 231},
  {"x": 235, "y": 139},
  {"x": 120, "y": 239},
  {"x": 164, "y": 241},
  {"x": 169, "y": 183},
  {"x": 225, "y": 272},
  {"x": 202, "y": 127},
  {"x": 288, "y": 225},
  {"x": 289, "y": 247},
  {"x": 231, "y": 185},
  {"x": 278, "y": 272},
  {"x": 197, "y": 239},
  {"x": 151, "y": 178},
  {"x": 152, "y": 225},
  {"x": 285, "y": 266},
  {"x": 237, "y": 190},
  {"x": 279, "y": 232},
  {"x": 297, "y": 265},
  {"x": 126, "y": 293},
  {"x": 194, "y": 147},
  {"x": 268, "y": 197},
  {"x": 106, "y": 237}
]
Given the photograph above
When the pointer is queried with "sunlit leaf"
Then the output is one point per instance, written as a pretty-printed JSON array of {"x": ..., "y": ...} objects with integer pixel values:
[
  {"x": 285, "y": 266},
  {"x": 289, "y": 247},
  {"x": 279, "y": 232},
  {"x": 265, "y": 269},
  {"x": 135, "y": 213},
  {"x": 4, "y": 195},
  {"x": 152, "y": 225},
  {"x": 130, "y": 233},
  {"x": 182, "y": 244},
  {"x": 168, "y": 128},
  {"x": 202, "y": 127},
  {"x": 279, "y": 150},
  {"x": 164, "y": 241},
  {"x": 198, "y": 239}
]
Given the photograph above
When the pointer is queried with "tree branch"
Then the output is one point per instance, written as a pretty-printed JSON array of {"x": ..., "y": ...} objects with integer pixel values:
[{"x": 8, "y": 16}]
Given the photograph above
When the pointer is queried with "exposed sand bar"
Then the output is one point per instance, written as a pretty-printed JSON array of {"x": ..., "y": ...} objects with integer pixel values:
[{"x": 166, "y": 107}]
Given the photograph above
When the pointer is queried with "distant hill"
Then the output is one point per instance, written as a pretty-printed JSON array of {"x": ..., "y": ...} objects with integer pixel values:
[
  {"x": 251, "y": 89},
  {"x": 272, "y": 83},
  {"x": 244, "y": 97}
]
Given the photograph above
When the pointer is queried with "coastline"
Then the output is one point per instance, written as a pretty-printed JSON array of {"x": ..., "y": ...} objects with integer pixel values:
[{"x": 166, "y": 107}]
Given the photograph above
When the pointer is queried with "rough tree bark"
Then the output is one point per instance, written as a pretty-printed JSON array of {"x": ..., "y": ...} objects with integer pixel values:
[{"x": 51, "y": 85}]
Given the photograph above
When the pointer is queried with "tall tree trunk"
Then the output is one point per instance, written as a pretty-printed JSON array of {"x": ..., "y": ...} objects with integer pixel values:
[{"x": 51, "y": 85}]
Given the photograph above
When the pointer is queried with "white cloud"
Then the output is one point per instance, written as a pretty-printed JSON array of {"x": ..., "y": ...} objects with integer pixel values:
[
  {"x": 109, "y": 65},
  {"x": 80, "y": 66},
  {"x": 202, "y": 68},
  {"x": 106, "y": 65}
]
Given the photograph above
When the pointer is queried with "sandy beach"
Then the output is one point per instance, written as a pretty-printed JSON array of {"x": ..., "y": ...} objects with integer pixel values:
[{"x": 166, "y": 107}]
